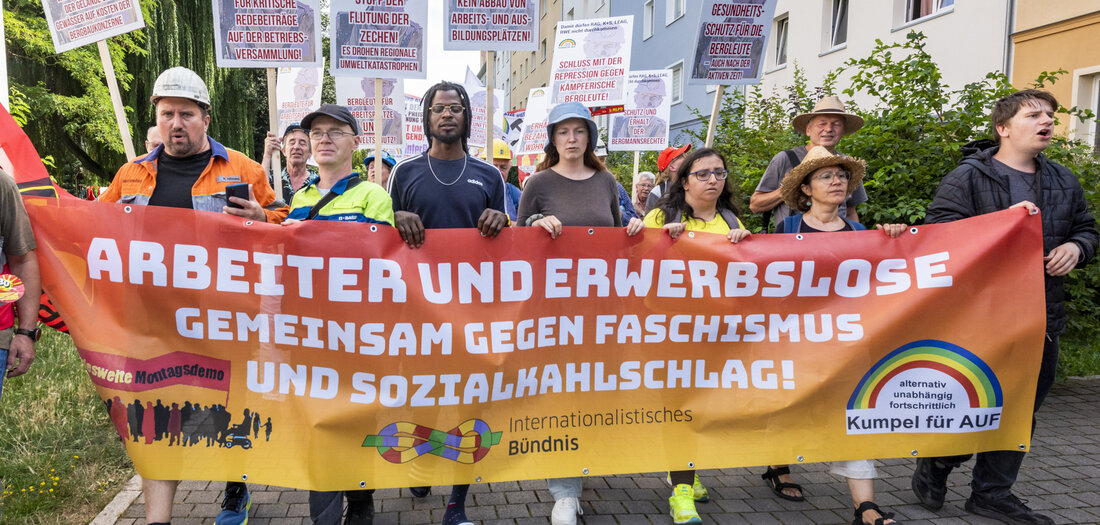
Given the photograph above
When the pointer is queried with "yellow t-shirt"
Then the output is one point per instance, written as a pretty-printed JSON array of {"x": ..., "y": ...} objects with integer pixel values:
[{"x": 656, "y": 219}]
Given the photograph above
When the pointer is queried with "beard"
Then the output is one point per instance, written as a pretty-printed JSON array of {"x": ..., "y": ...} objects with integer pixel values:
[
  {"x": 447, "y": 138},
  {"x": 185, "y": 148}
]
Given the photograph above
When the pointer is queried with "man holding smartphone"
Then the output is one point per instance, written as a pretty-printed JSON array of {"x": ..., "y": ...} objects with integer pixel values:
[{"x": 192, "y": 170}]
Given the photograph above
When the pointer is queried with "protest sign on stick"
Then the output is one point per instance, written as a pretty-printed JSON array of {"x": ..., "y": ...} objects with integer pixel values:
[
  {"x": 491, "y": 26},
  {"x": 730, "y": 45},
  {"x": 75, "y": 23},
  {"x": 299, "y": 93},
  {"x": 358, "y": 94},
  {"x": 643, "y": 124},
  {"x": 534, "y": 122},
  {"x": 377, "y": 39},
  {"x": 267, "y": 33},
  {"x": 591, "y": 58},
  {"x": 415, "y": 141}
]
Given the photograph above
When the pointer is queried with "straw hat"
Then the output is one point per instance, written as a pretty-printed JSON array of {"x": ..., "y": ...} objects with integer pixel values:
[
  {"x": 819, "y": 157},
  {"x": 830, "y": 105}
]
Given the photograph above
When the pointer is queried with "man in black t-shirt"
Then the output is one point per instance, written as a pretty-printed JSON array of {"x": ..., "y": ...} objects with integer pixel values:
[{"x": 446, "y": 187}]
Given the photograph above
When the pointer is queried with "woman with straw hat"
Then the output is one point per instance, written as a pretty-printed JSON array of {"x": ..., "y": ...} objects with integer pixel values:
[{"x": 816, "y": 188}]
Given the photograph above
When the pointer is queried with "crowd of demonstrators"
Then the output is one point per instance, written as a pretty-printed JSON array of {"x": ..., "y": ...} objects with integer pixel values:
[
  {"x": 184, "y": 425},
  {"x": 571, "y": 187},
  {"x": 824, "y": 126},
  {"x": 446, "y": 187},
  {"x": 338, "y": 194},
  {"x": 809, "y": 189},
  {"x": 191, "y": 170},
  {"x": 295, "y": 147}
]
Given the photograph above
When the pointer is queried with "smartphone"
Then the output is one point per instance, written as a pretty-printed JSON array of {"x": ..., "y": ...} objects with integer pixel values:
[{"x": 236, "y": 190}]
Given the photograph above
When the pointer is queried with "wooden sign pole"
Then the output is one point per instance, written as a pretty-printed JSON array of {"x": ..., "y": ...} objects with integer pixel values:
[
  {"x": 116, "y": 99},
  {"x": 378, "y": 105},
  {"x": 489, "y": 80},
  {"x": 273, "y": 122},
  {"x": 714, "y": 113}
]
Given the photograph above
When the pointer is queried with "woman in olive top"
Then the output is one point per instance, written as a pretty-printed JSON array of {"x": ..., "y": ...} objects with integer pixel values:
[{"x": 571, "y": 188}]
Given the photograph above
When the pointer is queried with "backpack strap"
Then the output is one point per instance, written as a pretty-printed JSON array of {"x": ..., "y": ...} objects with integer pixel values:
[
  {"x": 353, "y": 182},
  {"x": 855, "y": 225},
  {"x": 730, "y": 218},
  {"x": 792, "y": 158},
  {"x": 792, "y": 223}
]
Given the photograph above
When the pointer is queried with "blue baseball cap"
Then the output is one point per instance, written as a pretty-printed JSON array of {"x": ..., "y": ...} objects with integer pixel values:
[
  {"x": 566, "y": 111},
  {"x": 386, "y": 159}
]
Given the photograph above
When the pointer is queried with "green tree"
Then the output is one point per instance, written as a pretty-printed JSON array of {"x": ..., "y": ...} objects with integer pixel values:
[{"x": 73, "y": 121}]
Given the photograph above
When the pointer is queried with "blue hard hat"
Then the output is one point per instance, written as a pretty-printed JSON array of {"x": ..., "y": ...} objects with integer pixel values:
[{"x": 386, "y": 159}]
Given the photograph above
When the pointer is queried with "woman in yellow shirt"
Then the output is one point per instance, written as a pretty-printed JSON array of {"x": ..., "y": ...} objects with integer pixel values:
[{"x": 698, "y": 200}]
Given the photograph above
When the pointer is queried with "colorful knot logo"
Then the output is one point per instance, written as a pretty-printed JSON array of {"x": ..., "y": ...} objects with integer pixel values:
[{"x": 402, "y": 442}]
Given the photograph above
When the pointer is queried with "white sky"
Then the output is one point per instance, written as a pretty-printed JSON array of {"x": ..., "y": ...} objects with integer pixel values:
[{"x": 442, "y": 65}]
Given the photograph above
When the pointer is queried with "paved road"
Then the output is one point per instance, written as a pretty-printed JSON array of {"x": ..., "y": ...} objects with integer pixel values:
[{"x": 1061, "y": 477}]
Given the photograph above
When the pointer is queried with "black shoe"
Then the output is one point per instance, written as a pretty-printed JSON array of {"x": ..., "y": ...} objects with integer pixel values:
[
  {"x": 420, "y": 492},
  {"x": 930, "y": 483},
  {"x": 1008, "y": 509},
  {"x": 360, "y": 512}
]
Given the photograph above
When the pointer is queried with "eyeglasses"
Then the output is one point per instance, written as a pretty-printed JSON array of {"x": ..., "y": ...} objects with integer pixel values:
[
  {"x": 844, "y": 176},
  {"x": 333, "y": 134},
  {"x": 704, "y": 175},
  {"x": 455, "y": 108}
]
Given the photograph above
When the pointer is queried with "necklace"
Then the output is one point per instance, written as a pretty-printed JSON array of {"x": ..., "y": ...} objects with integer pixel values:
[{"x": 430, "y": 168}]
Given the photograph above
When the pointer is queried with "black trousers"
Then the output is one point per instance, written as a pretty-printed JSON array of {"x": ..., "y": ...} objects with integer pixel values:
[{"x": 995, "y": 472}]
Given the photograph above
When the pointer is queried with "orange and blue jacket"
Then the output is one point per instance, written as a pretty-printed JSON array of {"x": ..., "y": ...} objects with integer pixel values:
[{"x": 135, "y": 180}]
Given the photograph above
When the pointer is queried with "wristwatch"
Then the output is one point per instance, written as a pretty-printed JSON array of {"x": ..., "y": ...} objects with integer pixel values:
[{"x": 33, "y": 334}]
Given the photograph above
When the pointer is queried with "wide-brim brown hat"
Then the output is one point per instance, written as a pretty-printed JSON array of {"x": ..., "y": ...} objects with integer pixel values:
[
  {"x": 817, "y": 158},
  {"x": 830, "y": 105}
]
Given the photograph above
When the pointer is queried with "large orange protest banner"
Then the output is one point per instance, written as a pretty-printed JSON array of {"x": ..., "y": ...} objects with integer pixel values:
[{"x": 331, "y": 356}]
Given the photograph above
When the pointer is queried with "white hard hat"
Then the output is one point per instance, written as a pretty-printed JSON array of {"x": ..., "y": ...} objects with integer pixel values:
[{"x": 183, "y": 83}]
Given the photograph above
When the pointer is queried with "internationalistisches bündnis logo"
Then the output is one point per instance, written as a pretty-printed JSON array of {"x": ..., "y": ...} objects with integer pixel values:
[
  {"x": 926, "y": 386},
  {"x": 403, "y": 441}
]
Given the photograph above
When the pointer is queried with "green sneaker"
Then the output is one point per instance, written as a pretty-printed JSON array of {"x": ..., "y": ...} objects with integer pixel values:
[
  {"x": 682, "y": 505},
  {"x": 701, "y": 494}
]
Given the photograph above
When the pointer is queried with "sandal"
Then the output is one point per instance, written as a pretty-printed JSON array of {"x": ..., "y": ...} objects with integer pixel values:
[
  {"x": 771, "y": 477},
  {"x": 870, "y": 505}
]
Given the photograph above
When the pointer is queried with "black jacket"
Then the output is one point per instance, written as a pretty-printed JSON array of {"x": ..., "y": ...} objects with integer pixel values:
[{"x": 975, "y": 188}]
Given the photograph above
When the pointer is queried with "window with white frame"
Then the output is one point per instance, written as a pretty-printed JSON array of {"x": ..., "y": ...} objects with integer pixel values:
[
  {"x": 780, "y": 35},
  {"x": 916, "y": 9},
  {"x": 839, "y": 27},
  {"x": 677, "y": 81},
  {"x": 647, "y": 19},
  {"x": 674, "y": 9},
  {"x": 569, "y": 15},
  {"x": 542, "y": 51},
  {"x": 534, "y": 63}
]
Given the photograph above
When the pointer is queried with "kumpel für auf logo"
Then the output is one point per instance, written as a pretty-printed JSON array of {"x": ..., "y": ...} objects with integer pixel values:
[
  {"x": 402, "y": 442},
  {"x": 926, "y": 386}
]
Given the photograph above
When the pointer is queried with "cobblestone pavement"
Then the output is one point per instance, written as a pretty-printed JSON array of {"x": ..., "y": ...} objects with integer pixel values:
[{"x": 1061, "y": 477}]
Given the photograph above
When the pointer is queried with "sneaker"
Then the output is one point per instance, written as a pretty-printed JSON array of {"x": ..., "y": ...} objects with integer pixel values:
[
  {"x": 565, "y": 512},
  {"x": 420, "y": 492},
  {"x": 235, "y": 505},
  {"x": 701, "y": 494},
  {"x": 360, "y": 512},
  {"x": 930, "y": 483},
  {"x": 682, "y": 505},
  {"x": 1008, "y": 509}
]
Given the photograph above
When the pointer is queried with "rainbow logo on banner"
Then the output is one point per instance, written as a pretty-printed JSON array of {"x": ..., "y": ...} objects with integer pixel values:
[
  {"x": 567, "y": 43},
  {"x": 926, "y": 386},
  {"x": 981, "y": 385},
  {"x": 538, "y": 93}
]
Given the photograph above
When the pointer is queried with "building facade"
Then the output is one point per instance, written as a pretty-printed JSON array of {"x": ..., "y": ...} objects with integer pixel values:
[
  {"x": 967, "y": 39},
  {"x": 1049, "y": 36}
]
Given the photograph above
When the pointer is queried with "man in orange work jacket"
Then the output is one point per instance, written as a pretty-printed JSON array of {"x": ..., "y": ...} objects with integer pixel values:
[{"x": 191, "y": 170}]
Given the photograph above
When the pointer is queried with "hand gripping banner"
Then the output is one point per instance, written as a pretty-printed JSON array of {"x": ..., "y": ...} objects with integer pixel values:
[{"x": 331, "y": 356}]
